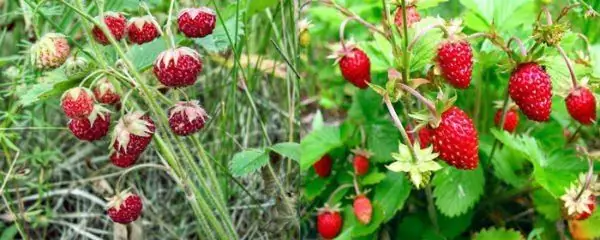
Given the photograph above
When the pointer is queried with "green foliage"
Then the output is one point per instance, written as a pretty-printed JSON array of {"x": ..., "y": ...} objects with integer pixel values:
[
  {"x": 248, "y": 161},
  {"x": 456, "y": 191},
  {"x": 391, "y": 193},
  {"x": 288, "y": 149},
  {"x": 223, "y": 37},
  {"x": 318, "y": 143},
  {"x": 500, "y": 233}
]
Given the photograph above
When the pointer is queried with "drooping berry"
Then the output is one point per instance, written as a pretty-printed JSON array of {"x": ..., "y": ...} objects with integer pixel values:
[
  {"x": 329, "y": 223},
  {"x": 196, "y": 22},
  {"x": 125, "y": 208},
  {"x": 455, "y": 60},
  {"x": 531, "y": 89},
  {"x": 92, "y": 128},
  {"x": 187, "y": 118},
  {"x": 77, "y": 103},
  {"x": 581, "y": 104},
  {"x": 116, "y": 24},
  {"x": 412, "y": 16},
  {"x": 133, "y": 133},
  {"x": 363, "y": 210},
  {"x": 356, "y": 67},
  {"x": 50, "y": 51},
  {"x": 456, "y": 140},
  {"x": 178, "y": 67},
  {"x": 141, "y": 30},
  {"x": 105, "y": 92},
  {"x": 123, "y": 160},
  {"x": 511, "y": 120},
  {"x": 323, "y": 166}
]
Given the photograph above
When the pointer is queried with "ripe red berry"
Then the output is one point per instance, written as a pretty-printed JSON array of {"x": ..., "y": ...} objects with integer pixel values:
[
  {"x": 187, "y": 118},
  {"x": 125, "y": 208},
  {"x": 586, "y": 215},
  {"x": 123, "y": 160},
  {"x": 511, "y": 122},
  {"x": 329, "y": 223},
  {"x": 178, "y": 67},
  {"x": 363, "y": 210},
  {"x": 455, "y": 60},
  {"x": 361, "y": 164},
  {"x": 92, "y": 128},
  {"x": 323, "y": 166},
  {"x": 412, "y": 16},
  {"x": 196, "y": 22},
  {"x": 531, "y": 89},
  {"x": 105, "y": 92},
  {"x": 133, "y": 133},
  {"x": 356, "y": 67},
  {"x": 456, "y": 140},
  {"x": 424, "y": 136},
  {"x": 116, "y": 24},
  {"x": 77, "y": 103},
  {"x": 581, "y": 104},
  {"x": 141, "y": 30}
]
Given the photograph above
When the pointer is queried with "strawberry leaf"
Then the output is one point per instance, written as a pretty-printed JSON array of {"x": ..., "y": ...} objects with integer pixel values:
[
  {"x": 501, "y": 233},
  {"x": 391, "y": 194},
  {"x": 219, "y": 40},
  {"x": 248, "y": 161},
  {"x": 456, "y": 191},
  {"x": 546, "y": 204},
  {"x": 314, "y": 187},
  {"x": 288, "y": 149},
  {"x": 382, "y": 139},
  {"x": 317, "y": 143}
]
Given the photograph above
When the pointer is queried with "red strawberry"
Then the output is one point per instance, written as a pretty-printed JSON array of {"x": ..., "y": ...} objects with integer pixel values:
[
  {"x": 424, "y": 136},
  {"x": 356, "y": 67},
  {"x": 456, "y": 140},
  {"x": 511, "y": 122},
  {"x": 586, "y": 215},
  {"x": 196, "y": 22},
  {"x": 125, "y": 208},
  {"x": 116, "y": 24},
  {"x": 323, "y": 166},
  {"x": 186, "y": 118},
  {"x": 92, "y": 128},
  {"x": 123, "y": 160},
  {"x": 105, "y": 92},
  {"x": 363, "y": 210},
  {"x": 178, "y": 67},
  {"x": 531, "y": 89},
  {"x": 361, "y": 165},
  {"x": 581, "y": 104},
  {"x": 412, "y": 16},
  {"x": 141, "y": 30},
  {"x": 133, "y": 133},
  {"x": 329, "y": 223},
  {"x": 77, "y": 103},
  {"x": 455, "y": 60}
]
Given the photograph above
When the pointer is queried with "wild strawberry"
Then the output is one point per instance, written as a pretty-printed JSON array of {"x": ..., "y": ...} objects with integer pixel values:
[
  {"x": 196, "y": 22},
  {"x": 356, "y": 67},
  {"x": 178, "y": 67},
  {"x": 581, "y": 104},
  {"x": 133, "y": 133},
  {"x": 116, "y": 24},
  {"x": 329, "y": 223},
  {"x": 412, "y": 16},
  {"x": 531, "y": 89},
  {"x": 456, "y": 140},
  {"x": 125, "y": 208},
  {"x": 92, "y": 128},
  {"x": 187, "y": 118},
  {"x": 363, "y": 210},
  {"x": 141, "y": 30},
  {"x": 455, "y": 60},
  {"x": 50, "y": 51},
  {"x": 105, "y": 92},
  {"x": 323, "y": 166},
  {"x": 511, "y": 121},
  {"x": 123, "y": 160},
  {"x": 361, "y": 161},
  {"x": 77, "y": 102},
  {"x": 424, "y": 136},
  {"x": 585, "y": 215}
]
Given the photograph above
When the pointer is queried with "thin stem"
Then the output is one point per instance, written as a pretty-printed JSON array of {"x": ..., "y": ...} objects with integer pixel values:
[
  {"x": 400, "y": 127},
  {"x": 501, "y": 127},
  {"x": 519, "y": 43},
  {"x": 348, "y": 13},
  {"x": 574, "y": 135},
  {"x": 430, "y": 106},
  {"x": 137, "y": 167},
  {"x": 340, "y": 188},
  {"x": 355, "y": 183},
  {"x": 7, "y": 177},
  {"x": 405, "y": 53},
  {"x": 168, "y": 30},
  {"x": 425, "y": 30},
  {"x": 431, "y": 207},
  {"x": 566, "y": 10},
  {"x": 569, "y": 65},
  {"x": 548, "y": 16},
  {"x": 342, "y": 29},
  {"x": 588, "y": 177}
]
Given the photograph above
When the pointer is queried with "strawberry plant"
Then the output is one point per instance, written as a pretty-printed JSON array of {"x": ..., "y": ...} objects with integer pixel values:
[{"x": 478, "y": 119}]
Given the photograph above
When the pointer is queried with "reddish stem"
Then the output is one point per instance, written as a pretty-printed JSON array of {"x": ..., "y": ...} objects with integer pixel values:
[{"x": 569, "y": 65}]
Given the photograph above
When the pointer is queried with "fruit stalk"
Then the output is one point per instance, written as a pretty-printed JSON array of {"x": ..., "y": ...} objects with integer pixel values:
[
  {"x": 569, "y": 65},
  {"x": 348, "y": 13},
  {"x": 519, "y": 43},
  {"x": 400, "y": 127}
]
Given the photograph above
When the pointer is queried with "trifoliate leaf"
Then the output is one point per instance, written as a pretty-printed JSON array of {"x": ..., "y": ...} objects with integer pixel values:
[
  {"x": 500, "y": 233},
  {"x": 456, "y": 191}
]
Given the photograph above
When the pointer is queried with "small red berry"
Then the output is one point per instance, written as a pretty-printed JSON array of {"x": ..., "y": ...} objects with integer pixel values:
[
  {"x": 105, "y": 92},
  {"x": 455, "y": 60},
  {"x": 356, "y": 67},
  {"x": 141, "y": 30},
  {"x": 196, "y": 22},
  {"x": 586, "y": 215},
  {"x": 412, "y": 16},
  {"x": 116, "y": 24},
  {"x": 92, "y": 128},
  {"x": 424, "y": 136},
  {"x": 178, "y": 67},
  {"x": 323, "y": 166},
  {"x": 123, "y": 160},
  {"x": 133, "y": 133},
  {"x": 361, "y": 165},
  {"x": 456, "y": 140},
  {"x": 329, "y": 223},
  {"x": 581, "y": 104},
  {"x": 531, "y": 89},
  {"x": 125, "y": 208},
  {"x": 511, "y": 121},
  {"x": 187, "y": 118},
  {"x": 77, "y": 103},
  {"x": 363, "y": 210}
]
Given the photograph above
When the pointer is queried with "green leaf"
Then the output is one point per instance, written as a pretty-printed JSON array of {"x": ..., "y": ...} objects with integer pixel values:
[
  {"x": 52, "y": 84},
  {"x": 257, "y": 6},
  {"x": 318, "y": 121},
  {"x": 314, "y": 188},
  {"x": 495, "y": 234},
  {"x": 288, "y": 149},
  {"x": 424, "y": 4},
  {"x": 507, "y": 166},
  {"x": 546, "y": 204},
  {"x": 143, "y": 56},
  {"x": 248, "y": 161},
  {"x": 379, "y": 52},
  {"x": 9, "y": 232},
  {"x": 391, "y": 194},
  {"x": 318, "y": 143},
  {"x": 373, "y": 177},
  {"x": 218, "y": 40},
  {"x": 456, "y": 191},
  {"x": 424, "y": 51},
  {"x": 382, "y": 140}
]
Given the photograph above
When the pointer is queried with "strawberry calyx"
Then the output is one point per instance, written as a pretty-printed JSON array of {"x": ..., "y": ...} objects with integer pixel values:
[
  {"x": 191, "y": 109},
  {"x": 342, "y": 50},
  {"x": 98, "y": 111},
  {"x": 173, "y": 55},
  {"x": 131, "y": 124},
  {"x": 117, "y": 200},
  {"x": 193, "y": 12},
  {"x": 362, "y": 152},
  {"x": 329, "y": 209},
  {"x": 139, "y": 22},
  {"x": 75, "y": 92}
]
